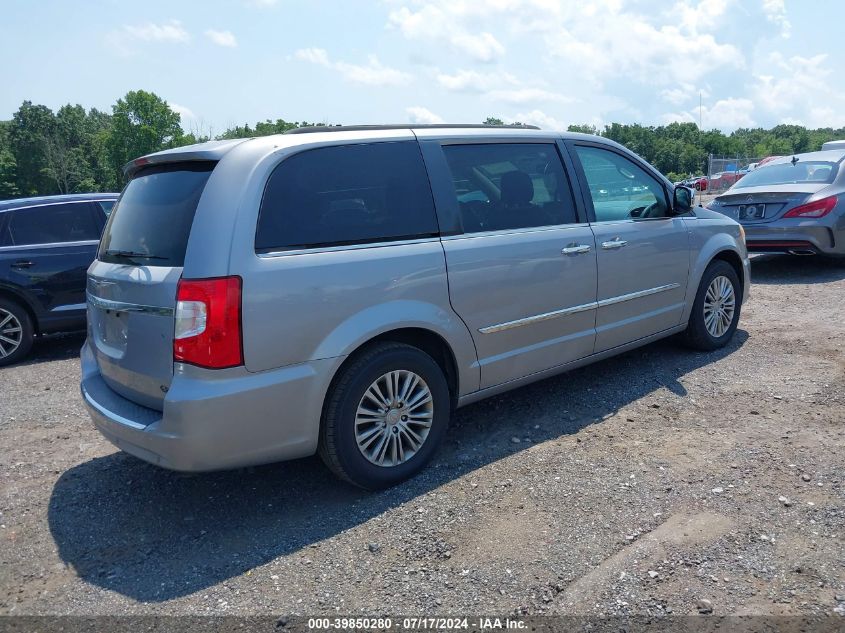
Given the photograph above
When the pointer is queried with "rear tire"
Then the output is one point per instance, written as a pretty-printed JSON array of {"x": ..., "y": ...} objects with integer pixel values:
[
  {"x": 715, "y": 313},
  {"x": 16, "y": 332},
  {"x": 373, "y": 441}
]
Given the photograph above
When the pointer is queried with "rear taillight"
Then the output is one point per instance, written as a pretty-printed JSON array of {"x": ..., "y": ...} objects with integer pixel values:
[
  {"x": 208, "y": 322},
  {"x": 817, "y": 209}
]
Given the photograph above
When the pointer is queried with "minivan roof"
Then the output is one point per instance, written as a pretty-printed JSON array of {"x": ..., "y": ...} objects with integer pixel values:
[
  {"x": 17, "y": 203},
  {"x": 216, "y": 150}
]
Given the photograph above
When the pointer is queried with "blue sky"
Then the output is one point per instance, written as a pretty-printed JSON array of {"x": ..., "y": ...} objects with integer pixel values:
[{"x": 548, "y": 62}]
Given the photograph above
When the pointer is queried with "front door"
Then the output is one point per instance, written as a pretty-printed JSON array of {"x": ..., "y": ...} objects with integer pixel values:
[
  {"x": 642, "y": 251},
  {"x": 522, "y": 266}
]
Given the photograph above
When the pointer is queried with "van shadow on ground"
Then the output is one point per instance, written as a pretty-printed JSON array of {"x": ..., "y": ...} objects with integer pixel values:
[{"x": 155, "y": 535}]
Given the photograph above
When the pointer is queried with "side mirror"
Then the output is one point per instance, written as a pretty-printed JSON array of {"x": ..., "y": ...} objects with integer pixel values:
[{"x": 681, "y": 201}]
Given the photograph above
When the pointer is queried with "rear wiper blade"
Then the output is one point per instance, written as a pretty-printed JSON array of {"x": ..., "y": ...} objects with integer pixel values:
[{"x": 131, "y": 254}]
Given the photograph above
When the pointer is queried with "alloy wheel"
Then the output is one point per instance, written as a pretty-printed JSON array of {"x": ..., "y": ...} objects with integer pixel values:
[
  {"x": 719, "y": 306},
  {"x": 394, "y": 418},
  {"x": 11, "y": 333}
]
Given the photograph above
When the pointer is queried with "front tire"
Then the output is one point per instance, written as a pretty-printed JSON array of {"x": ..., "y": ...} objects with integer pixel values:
[
  {"x": 715, "y": 313},
  {"x": 385, "y": 416},
  {"x": 16, "y": 332}
]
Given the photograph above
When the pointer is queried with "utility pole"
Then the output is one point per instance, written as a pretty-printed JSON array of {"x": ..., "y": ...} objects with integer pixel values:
[{"x": 700, "y": 120}]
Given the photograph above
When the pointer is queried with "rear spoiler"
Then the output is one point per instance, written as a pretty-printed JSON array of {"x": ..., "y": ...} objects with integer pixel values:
[{"x": 210, "y": 151}]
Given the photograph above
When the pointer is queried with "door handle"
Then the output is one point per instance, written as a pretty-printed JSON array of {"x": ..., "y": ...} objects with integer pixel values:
[
  {"x": 22, "y": 263},
  {"x": 575, "y": 249},
  {"x": 614, "y": 243}
]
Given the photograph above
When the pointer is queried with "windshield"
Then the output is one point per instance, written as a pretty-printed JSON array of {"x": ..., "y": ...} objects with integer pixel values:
[
  {"x": 803, "y": 172},
  {"x": 151, "y": 221}
]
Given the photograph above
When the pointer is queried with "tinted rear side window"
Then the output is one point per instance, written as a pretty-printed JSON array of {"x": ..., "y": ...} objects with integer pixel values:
[
  {"x": 347, "y": 194},
  {"x": 151, "y": 222},
  {"x": 53, "y": 224}
]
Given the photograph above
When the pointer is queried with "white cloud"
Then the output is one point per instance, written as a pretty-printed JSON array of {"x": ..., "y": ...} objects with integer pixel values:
[
  {"x": 629, "y": 46},
  {"x": 528, "y": 95},
  {"x": 538, "y": 118},
  {"x": 676, "y": 96},
  {"x": 726, "y": 115},
  {"x": 374, "y": 73},
  {"x": 683, "y": 92},
  {"x": 437, "y": 21},
  {"x": 800, "y": 89},
  {"x": 482, "y": 47},
  {"x": 184, "y": 112},
  {"x": 262, "y": 4},
  {"x": 473, "y": 81},
  {"x": 618, "y": 57},
  {"x": 171, "y": 31},
  {"x": 222, "y": 38},
  {"x": 314, "y": 56},
  {"x": 705, "y": 15},
  {"x": 775, "y": 11},
  {"x": 419, "y": 114}
]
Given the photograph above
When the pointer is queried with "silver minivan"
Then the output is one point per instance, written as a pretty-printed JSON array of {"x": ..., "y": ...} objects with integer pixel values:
[{"x": 343, "y": 290}]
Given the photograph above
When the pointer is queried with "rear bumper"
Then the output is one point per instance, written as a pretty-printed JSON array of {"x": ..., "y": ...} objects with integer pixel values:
[
  {"x": 795, "y": 238},
  {"x": 214, "y": 420}
]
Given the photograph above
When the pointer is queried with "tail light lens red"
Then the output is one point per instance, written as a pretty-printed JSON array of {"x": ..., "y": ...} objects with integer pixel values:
[
  {"x": 208, "y": 323},
  {"x": 817, "y": 209}
]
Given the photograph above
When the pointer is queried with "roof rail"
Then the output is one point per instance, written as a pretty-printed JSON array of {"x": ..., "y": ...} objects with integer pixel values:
[{"x": 404, "y": 126}]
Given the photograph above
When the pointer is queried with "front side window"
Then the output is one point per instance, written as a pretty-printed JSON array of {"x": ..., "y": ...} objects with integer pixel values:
[
  {"x": 621, "y": 189},
  {"x": 502, "y": 186},
  {"x": 53, "y": 224},
  {"x": 347, "y": 194}
]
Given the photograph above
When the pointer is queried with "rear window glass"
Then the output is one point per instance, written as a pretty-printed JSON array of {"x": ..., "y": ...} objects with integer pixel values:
[
  {"x": 347, "y": 194},
  {"x": 800, "y": 172},
  {"x": 52, "y": 224},
  {"x": 151, "y": 221}
]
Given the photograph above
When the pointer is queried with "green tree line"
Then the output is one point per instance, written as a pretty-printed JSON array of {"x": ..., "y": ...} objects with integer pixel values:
[
  {"x": 680, "y": 149},
  {"x": 74, "y": 150}
]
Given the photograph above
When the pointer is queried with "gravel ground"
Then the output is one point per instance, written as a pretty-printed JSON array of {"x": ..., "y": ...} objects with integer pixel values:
[{"x": 645, "y": 484}]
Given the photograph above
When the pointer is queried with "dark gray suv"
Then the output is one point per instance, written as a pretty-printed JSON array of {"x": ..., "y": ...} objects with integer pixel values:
[{"x": 342, "y": 290}]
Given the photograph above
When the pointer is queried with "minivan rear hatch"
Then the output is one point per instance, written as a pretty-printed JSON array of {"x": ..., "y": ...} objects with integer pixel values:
[{"x": 132, "y": 285}]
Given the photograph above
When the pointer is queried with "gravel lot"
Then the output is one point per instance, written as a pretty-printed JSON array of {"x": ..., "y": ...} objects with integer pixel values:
[{"x": 640, "y": 485}]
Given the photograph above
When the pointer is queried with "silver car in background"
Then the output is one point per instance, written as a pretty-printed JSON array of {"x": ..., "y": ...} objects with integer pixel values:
[
  {"x": 343, "y": 290},
  {"x": 794, "y": 204}
]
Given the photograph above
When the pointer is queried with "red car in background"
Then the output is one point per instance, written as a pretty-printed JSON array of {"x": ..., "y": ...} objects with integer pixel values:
[
  {"x": 699, "y": 183},
  {"x": 724, "y": 179}
]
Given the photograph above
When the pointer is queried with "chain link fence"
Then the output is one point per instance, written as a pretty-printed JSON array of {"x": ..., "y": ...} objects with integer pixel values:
[{"x": 724, "y": 171}]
